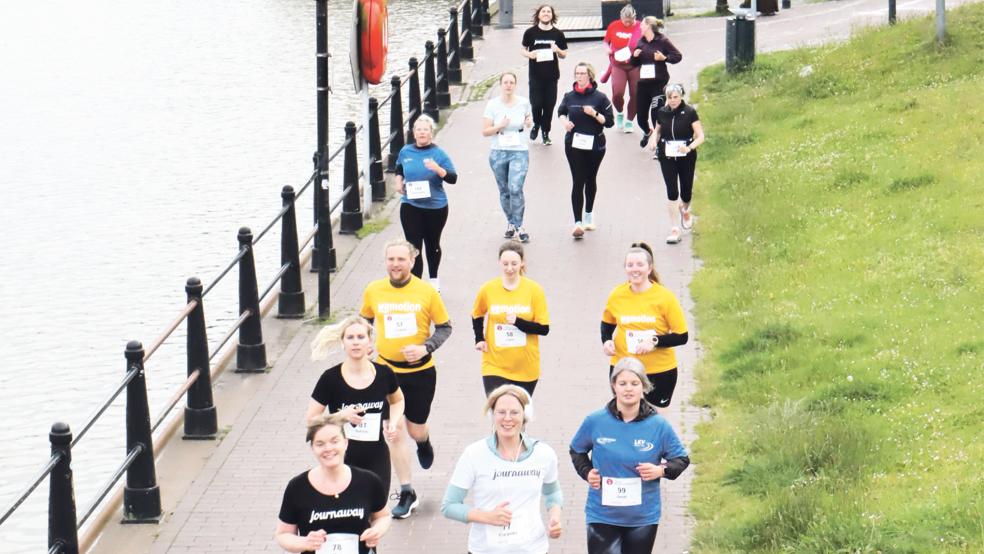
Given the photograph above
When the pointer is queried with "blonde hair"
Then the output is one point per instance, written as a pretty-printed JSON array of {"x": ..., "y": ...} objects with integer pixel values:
[
  {"x": 627, "y": 12},
  {"x": 654, "y": 22},
  {"x": 327, "y": 339},
  {"x": 319, "y": 422},
  {"x": 633, "y": 366},
  {"x": 588, "y": 67},
  {"x": 426, "y": 119},
  {"x": 517, "y": 392},
  {"x": 647, "y": 251},
  {"x": 404, "y": 243}
]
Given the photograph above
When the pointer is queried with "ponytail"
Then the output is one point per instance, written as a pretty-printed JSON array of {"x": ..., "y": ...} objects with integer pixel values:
[
  {"x": 327, "y": 339},
  {"x": 647, "y": 251}
]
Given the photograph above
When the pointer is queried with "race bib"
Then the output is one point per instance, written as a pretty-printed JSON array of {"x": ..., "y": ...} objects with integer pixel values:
[
  {"x": 418, "y": 189},
  {"x": 675, "y": 148},
  {"x": 582, "y": 141},
  {"x": 544, "y": 55},
  {"x": 397, "y": 326},
  {"x": 634, "y": 339},
  {"x": 509, "y": 336},
  {"x": 511, "y": 139},
  {"x": 367, "y": 431},
  {"x": 647, "y": 71},
  {"x": 621, "y": 492},
  {"x": 623, "y": 55},
  {"x": 340, "y": 543},
  {"x": 521, "y": 529}
]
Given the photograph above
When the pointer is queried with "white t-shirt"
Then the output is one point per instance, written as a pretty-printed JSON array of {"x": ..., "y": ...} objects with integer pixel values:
[
  {"x": 493, "y": 481},
  {"x": 512, "y": 137}
]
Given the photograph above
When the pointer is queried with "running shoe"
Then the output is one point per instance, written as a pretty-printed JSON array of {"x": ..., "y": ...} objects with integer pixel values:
[
  {"x": 425, "y": 454},
  {"x": 589, "y": 224},
  {"x": 645, "y": 139},
  {"x": 523, "y": 235},
  {"x": 628, "y": 126},
  {"x": 534, "y": 132},
  {"x": 408, "y": 501},
  {"x": 578, "y": 231},
  {"x": 674, "y": 237},
  {"x": 436, "y": 283},
  {"x": 686, "y": 218},
  {"x": 546, "y": 139},
  {"x": 510, "y": 232},
  {"x": 619, "y": 120}
]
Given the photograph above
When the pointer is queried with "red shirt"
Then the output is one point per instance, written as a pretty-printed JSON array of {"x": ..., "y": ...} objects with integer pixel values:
[{"x": 618, "y": 34}]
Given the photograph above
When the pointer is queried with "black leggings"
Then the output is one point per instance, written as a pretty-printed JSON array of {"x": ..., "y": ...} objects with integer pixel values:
[
  {"x": 420, "y": 226},
  {"x": 584, "y": 173},
  {"x": 370, "y": 456},
  {"x": 543, "y": 98},
  {"x": 679, "y": 170},
  {"x": 613, "y": 539},
  {"x": 492, "y": 382},
  {"x": 649, "y": 98}
]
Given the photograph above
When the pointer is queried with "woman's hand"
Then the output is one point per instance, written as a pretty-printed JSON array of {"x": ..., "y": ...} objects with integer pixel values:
[
  {"x": 528, "y": 122},
  {"x": 649, "y": 472},
  {"x": 554, "y": 527},
  {"x": 636, "y": 52},
  {"x": 413, "y": 352},
  {"x": 400, "y": 188},
  {"x": 569, "y": 125},
  {"x": 482, "y": 346},
  {"x": 590, "y": 111},
  {"x": 351, "y": 414},
  {"x": 390, "y": 430},
  {"x": 659, "y": 56},
  {"x": 645, "y": 347},
  {"x": 315, "y": 539},
  {"x": 511, "y": 319},
  {"x": 371, "y": 537},
  {"x": 499, "y": 516},
  {"x": 608, "y": 348},
  {"x": 432, "y": 165},
  {"x": 502, "y": 124},
  {"x": 594, "y": 479},
  {"x": 653, "y": 142}
]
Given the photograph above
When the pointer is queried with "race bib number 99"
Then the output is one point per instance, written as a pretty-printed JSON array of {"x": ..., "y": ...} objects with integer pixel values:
[{"x": 621, "y": 491}]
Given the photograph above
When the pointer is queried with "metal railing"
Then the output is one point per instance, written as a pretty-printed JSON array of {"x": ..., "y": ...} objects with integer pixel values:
[{"x": 141, "y": 493}]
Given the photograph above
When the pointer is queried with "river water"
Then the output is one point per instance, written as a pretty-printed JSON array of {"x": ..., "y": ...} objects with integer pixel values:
[{"x": 135, "y": 139}]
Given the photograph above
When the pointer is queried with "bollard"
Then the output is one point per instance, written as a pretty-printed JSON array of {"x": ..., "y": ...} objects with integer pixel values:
[
  {"x": 430, "y": 83},
  {"x": 352, "y": 203},
  {"x": 486, "y": 14},
  {"x": 290, "y": 302},
  {"x": 141, "y": 495},
  {"x": 413, "y": 98},
  {"x": 199, "y": 415},
  {"x": 396, "y": 124},
  {"x": 505, "y": 14},
  {"x": 476, "y": 19},
  {"x": 454, "y": 61},
  {"x": 62, "y": 523},
  {"x": 739, "y": 43},
  {"x": 467, "y": 51},
  {"x": 251, "y": 352},
  {"x": 323, "y": 238},
  {"x": 376, "y": 181},
  {"x": 443, "y": 91},
  {"x": 891, "y": 12},
  {"x": 786, "y": 4}
]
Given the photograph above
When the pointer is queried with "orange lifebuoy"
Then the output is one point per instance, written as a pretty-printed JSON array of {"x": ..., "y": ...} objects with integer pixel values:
[{"x": 373, "y": 39}]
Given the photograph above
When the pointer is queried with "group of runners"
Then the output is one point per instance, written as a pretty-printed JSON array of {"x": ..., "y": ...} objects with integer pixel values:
[{"x": 368, "y": 414}]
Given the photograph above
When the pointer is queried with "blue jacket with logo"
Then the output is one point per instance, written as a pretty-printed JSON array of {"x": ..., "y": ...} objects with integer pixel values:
[{"x": 616, "y": 447}]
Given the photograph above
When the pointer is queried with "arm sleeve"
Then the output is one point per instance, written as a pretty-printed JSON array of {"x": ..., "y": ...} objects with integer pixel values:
[
  {"x": 675, "y": 466},
  {"x": 453, "y": 506},
  {"x": 441, "y": 334},
  {"x": 609, "y": 114},
  {"x": 580, "y": 446},
  {"x": 607, "y": 331},
  {"x": 452, "y": 176},
  {"x": 478, "y": 327},
  {"x": 582, "y": 464},
  {"x": 670, "y": 340},
  {"x": 552, "y": 494},
  {"x": 672, "y": 54},
  {"x": 532, "y": 328},
  {"x": 674, "y": 453},
  {"x": 399, "y": 170}
]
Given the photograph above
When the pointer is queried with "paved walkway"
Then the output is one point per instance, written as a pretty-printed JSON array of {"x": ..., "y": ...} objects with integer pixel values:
[{"x": 233, "y": 504}]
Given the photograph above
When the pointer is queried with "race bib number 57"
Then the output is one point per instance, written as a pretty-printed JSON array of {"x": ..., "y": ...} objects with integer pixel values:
[{"x": 396, "y": 326}]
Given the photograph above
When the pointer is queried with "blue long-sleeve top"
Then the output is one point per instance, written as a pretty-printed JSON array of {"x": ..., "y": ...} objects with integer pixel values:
[{"x": 410, "y": 166}]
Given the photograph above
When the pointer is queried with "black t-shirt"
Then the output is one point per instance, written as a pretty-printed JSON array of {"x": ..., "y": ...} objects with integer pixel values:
[
  {"x": 536, "y": 38},
  {"x": 676, "y": 124},
  {"x": 334, "y": 393},
  {"x": 348, "y": 512}
]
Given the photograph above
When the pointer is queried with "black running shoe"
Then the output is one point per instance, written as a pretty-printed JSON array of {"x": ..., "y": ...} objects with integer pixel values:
[
  {"x": 546, "y": 139},
  {"x": 645, "y": 139},
  {"x": 425, "y": 454},
  {"x": 408, "y": 501},
  {"x": 534, "y": 132}
]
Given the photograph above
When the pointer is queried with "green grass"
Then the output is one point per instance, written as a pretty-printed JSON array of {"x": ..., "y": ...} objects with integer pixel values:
[
  {"x": 372, "y": 226},
  {"x": 842, "y": 297}
]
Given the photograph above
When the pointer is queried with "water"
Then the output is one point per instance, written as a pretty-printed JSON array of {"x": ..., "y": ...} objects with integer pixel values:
[{"x": 135, "y": 139}]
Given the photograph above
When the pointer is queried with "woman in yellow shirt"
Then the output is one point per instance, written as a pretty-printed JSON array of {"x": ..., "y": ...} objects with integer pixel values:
[
  {"x": 644, "y": 320},
  {"x": 516, "y": 309}
]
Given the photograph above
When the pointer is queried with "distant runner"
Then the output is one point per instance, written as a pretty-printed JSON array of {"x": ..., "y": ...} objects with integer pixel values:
[
  {"x": 678, "y": 134},
  {"x": 543, "y": 44},
  {"x": 505, "y": 119}
]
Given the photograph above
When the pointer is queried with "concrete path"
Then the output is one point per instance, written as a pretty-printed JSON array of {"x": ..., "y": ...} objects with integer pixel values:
[{"x": 232, "y": 505}]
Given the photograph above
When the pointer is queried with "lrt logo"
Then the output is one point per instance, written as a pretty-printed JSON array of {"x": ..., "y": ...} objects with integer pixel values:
[{"x": 642, "y": 445}]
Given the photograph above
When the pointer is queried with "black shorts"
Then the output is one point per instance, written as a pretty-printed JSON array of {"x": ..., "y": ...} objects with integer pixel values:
[
  {"x": 492, "y": 382},
  {"x": 418, "y": 393},
  {"x": 663, "y": 384}
]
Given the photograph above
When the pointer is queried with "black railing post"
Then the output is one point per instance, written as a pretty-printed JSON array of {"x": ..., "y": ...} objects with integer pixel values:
[
  {"x": 376, "y": 181},
  {"x": 290, "y": 304},
  {"x": 891, "y": 12},
  {"x": 251, "y": 352},
  {"x": 786, "y": 4},
  {"x": 322, "y": 90},
  {"x": 476, "y": 19},
  {"x": 430, "y": 83},
  {"x": 467, "y": 51},
  {"x": 413, "y": 98},
  {"x": 454, "y": 61},
  {"x": 62, "y": 524},
  {"x": 141, "y": 495},
  {"x": 443, "y": 92},
  {"x": 199, "y": 417},
  {"x": 351, "y": 204},
  {"x": 486, "y": 14},
  {"x": 396, "y": 124},
  {"x": 324, "y": 239}
]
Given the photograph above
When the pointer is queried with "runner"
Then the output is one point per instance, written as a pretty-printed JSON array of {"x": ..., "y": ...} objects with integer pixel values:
[
  {"x": 504, "y": 120},
  {"x": 421, "y": 172},
  {"x": 332, "y": 507},
  {"x": 585, "y": 112},
  {"x": 517, "y": 315},
  {"x": 506, "y": 472},
  {"x": 403, "y": 308},
  {"x": 622, "y": 451},
  {"x": 543, "y": 44},
  {"x": 364, "y": 393},
  {"x": 620, "y": 39},
  {"x": 649, "y": 321},
  {"x": 678, "y": 134},
  {"x": 651, "y": 54}
]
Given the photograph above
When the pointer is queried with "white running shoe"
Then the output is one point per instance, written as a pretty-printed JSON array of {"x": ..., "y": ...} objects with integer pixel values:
[
  {"x": 674, "y": 237},
  {"x": 436, "y": 283},
  {"x": 627, "y": 128},
  {"x": 686, "y": 218},
  {"x": 589, "y": 224}
]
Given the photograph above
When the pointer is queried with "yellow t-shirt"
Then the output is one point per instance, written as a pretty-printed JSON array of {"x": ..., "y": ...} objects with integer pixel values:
[
  {"x": 512, "y": 354},
  {"x": 403, "y": 316},
  {"x": 637, "y": 315}
]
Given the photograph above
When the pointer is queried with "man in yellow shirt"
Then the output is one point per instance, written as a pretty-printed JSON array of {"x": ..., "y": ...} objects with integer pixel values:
[{"x": 402, "y": 309}]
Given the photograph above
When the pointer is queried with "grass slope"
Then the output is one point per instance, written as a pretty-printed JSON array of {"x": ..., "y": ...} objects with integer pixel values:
[{"x": 842, "y": 297}]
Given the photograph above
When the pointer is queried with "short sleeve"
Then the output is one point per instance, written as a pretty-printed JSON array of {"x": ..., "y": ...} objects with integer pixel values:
[
  {"x": 540, "y": 313},
  {"x": 550, "y": 476},
  {"x": 377, "y": 494},
  {"x": 464, "y": 472},
  {"x": 390, "y": 383},
  {"x": 529, "y": 108},
  {"x": 322, "y": 390},
  {"x": 481, "y": 306},
  {"x": 607, "y": 316},
  {"x": 693, "y": 116},
  {"x": 447, "y": 164},
  {"x": 490, "y": 110},
  {"x": 674, "y": 315},
  {"x": 671, "y": 447},
  {"x": 528, "y": 38},
  {"x": 610, "y": 32},
  {"x": 561, "y": 40},
  {"x": 288, "y": 513},
  {"x": 581, "y": 443},
  {"x": 366, "y": 311},
  {"x": 438, "y": 311}
]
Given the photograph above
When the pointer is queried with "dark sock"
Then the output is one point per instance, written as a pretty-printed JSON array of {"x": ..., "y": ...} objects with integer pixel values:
[{"x": 406, "y": 488}]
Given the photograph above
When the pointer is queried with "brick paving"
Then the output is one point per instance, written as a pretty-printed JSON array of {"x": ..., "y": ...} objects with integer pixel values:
[{"x": 232, "y": 505}]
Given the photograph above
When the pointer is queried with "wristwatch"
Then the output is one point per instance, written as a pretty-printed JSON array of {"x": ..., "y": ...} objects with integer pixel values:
[{"x": 655, "y": 340}]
